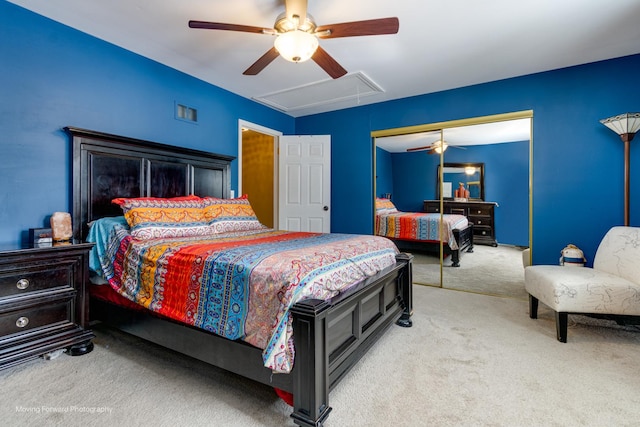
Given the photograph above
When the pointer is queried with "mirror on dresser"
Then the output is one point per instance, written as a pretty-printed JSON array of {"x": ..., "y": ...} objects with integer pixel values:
[
  {"x": 469, "y": 176},
  {"x": 499, "y": 206}
]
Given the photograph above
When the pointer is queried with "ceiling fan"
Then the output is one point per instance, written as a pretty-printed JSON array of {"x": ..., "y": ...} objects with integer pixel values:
[
  {"x": 435, "y": 148},
  {"x": 297, "y": 36}
]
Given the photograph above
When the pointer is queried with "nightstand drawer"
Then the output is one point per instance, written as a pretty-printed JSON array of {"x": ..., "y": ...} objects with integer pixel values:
[
  {"x": 481, "y": 210},
  {"x": 35, "y": 279},
  {"x": 35, "y": 317},
  {"x": 481, "y": 220},
  {"x": 482, "y": 231}
]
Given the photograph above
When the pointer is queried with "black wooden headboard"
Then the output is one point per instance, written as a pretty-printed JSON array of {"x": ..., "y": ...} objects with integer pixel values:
[{"x": 108, "y": 166}]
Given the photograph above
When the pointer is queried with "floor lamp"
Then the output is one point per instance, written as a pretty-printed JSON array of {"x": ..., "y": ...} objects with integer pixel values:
[{"x": 626, "y": 125}]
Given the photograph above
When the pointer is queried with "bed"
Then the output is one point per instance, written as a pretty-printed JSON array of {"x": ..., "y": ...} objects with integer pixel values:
[
  {"x": 329, "y": 335},
  {"x": 424, "y": 231}
]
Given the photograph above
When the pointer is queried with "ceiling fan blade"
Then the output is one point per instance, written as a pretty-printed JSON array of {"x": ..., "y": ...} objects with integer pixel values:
[
  {"x": 426, "y": 147},
  {"x": 328, "y": 64},
  {"x": 296, "y": 7},
  {"x": 228, "y": 27},
  {"x": 372, "y": 27},
  {"x": 262, "y": 62}
]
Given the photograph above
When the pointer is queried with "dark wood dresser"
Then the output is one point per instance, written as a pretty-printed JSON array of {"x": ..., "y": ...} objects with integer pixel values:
[
  {"x": 481, "y": 214},
  {"x": 43, "y": 303}
]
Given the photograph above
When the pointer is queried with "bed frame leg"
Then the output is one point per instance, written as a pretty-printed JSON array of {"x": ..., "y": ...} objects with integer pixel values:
[
  {"x": 311, "y": 369},
  {"x": 406, "y": 282},
  {"x": 455, "y": 258},
  {"x": 81, "y": 348}
]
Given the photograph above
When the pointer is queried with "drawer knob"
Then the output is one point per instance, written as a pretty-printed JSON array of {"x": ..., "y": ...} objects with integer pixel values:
[
  {"x": 22, "y": 284},
  {"x": 22, "y": 322}
]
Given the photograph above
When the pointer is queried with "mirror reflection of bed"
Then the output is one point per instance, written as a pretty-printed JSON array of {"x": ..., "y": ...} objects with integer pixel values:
[{"x": 502, "y": 145}]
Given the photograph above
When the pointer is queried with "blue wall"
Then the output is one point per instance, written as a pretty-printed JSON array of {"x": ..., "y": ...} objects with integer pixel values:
[
  {"x": 53, "y": 76},
  {"x": 414, "y": 179},
  {"x": 384, "y": 172},
  {"x": 577, "y": 162}
]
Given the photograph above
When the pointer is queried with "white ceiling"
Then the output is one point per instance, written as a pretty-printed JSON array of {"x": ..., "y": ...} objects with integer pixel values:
[
  {"x": 482, "y": 134},
  {"x": 441, "y": 44}
]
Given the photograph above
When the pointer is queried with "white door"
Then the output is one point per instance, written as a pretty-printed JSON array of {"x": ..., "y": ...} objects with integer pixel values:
[{"x": 305, "y": 183}]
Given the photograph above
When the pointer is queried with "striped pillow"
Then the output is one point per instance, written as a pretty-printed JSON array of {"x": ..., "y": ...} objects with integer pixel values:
[
  {"x": 385, "y": 206},
  {"x": 225, "y": 215},
  {"x": 152, "y": 218}
]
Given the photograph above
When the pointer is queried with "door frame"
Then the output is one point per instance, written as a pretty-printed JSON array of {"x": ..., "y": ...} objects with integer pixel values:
[{"x": 276, "y": 134}]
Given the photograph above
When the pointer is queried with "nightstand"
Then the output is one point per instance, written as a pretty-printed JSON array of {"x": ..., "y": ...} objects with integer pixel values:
[{"x": 43, "y": 302}]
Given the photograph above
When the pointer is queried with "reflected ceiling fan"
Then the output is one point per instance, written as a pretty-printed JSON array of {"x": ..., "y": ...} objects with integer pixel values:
[
  {"x": 297, "y": 36},
  {"x": 435, "y": 148}
]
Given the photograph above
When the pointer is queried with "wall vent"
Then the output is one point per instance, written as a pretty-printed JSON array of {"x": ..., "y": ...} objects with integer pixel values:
[{"x": 188, "y": 114}]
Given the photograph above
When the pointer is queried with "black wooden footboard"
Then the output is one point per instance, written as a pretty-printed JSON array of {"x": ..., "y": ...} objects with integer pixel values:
[
  {"x": 464, "y": 239},
  {"x": 330, "y": 337}
]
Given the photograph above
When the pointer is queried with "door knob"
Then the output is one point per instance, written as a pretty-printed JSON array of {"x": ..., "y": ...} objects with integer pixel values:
[{"x": 326, "y": 208}]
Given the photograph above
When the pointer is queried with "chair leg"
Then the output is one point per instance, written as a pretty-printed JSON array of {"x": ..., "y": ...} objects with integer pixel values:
[
  {"x": 533, "y": 307},
  {"x": 561, "y": 325}
]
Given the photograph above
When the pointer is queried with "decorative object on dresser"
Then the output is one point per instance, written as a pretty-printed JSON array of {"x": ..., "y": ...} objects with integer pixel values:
[
  {"x": 61, "y": 226},
  {"x": 43, "y": 305},
  {"x": 480, "y": 214},
  {"x": 40, "y": 237}
]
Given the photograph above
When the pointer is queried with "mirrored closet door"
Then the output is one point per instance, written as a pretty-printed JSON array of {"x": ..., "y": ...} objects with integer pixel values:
[{"x": 470, "y": 171}]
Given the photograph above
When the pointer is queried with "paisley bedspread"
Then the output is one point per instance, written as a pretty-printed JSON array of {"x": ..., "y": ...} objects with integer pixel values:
[
  {"x": 420, "y": 226},
  {"x": 241, "y": 285}
]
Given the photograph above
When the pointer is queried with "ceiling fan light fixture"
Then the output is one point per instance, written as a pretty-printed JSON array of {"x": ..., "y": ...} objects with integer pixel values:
[
  {"x": 296, "y": 45},
  {"x": 440, "y": 146}
]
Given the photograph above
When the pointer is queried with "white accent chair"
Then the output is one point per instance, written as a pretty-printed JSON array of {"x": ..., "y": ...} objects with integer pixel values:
[{"x": 612, "y": 286}]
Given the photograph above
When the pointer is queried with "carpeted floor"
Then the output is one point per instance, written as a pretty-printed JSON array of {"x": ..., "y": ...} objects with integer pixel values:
[
  {"x": 492, "y": 271},
  {"x": 469, "y": 360}
]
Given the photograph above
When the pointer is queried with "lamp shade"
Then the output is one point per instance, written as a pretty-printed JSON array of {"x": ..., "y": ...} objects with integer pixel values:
[
  {"x": 296, "y": 45},
  {"x": 623, "y": 123},
  {"x": 626, "y": 125}
]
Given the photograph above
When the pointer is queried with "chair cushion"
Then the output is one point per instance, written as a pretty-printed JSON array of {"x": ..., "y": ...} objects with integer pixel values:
[{"x": 582, "y": 290}]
